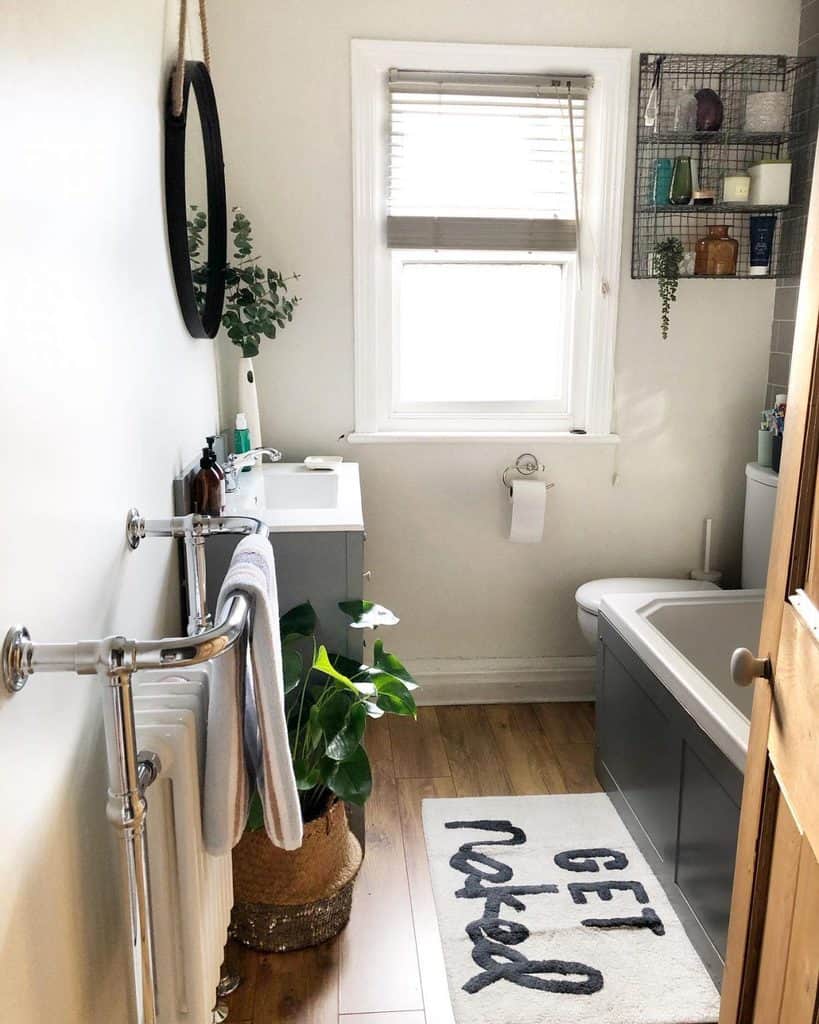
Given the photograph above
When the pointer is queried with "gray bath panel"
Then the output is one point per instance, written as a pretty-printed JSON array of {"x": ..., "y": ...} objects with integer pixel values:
[{"x": 678, "y": 794}]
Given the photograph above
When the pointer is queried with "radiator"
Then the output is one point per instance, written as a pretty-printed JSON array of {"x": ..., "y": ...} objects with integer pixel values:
[{"x": 191, "y": 892}]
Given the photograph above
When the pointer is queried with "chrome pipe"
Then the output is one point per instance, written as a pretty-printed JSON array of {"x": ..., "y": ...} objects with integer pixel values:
[
  {"x": 193, "y": 530},
  {"x": 22, "y": 656},
  {"x": 127, "y": 812},
  {"x": 115, "y": 660}
]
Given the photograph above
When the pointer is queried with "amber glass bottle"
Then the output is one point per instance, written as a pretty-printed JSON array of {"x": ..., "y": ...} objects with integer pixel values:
[
  {"x": 716, "y": 253},
  {"x": 208, "y": 488}
]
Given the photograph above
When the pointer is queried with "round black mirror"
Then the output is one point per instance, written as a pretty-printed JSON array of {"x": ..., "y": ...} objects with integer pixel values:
[{"x": 195, "y": 204}]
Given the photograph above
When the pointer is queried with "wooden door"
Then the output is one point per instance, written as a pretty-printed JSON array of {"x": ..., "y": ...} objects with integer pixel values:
[{"x": 772, "y": 962}]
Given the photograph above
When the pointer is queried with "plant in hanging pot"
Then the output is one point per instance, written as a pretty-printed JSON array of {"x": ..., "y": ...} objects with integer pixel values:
[
  {"x": 666, "y": 260},
  {"x": 257, "y": 302},
  {"x": 287, "y": 900}
]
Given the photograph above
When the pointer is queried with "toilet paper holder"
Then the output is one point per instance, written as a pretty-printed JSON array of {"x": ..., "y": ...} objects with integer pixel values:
[{"x": 525, "y": 466}]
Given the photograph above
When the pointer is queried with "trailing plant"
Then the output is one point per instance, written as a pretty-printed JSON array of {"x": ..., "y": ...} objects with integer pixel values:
[
  {"x": 257, "y": 301},
  {"x": 328, "y": 700},
  {"x": 668, "y": 256}
]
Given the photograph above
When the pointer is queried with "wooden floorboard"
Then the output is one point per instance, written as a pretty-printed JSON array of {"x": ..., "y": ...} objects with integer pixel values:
[
  {"x": 241, "y": 961},
  {"x": 379, "y": 963},
  {"x": 387, "y": 966},
  {"x": 528, "y": 758},
  {"x": 298, "y": 988},
  {"x": 417, "y": 747},
  {"x": 475, "y": 763},
  {"x": 411, "y": 793},
  {"x": 565, "y": 723}
]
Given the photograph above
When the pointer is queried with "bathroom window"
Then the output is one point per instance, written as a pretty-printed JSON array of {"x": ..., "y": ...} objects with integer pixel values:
[{"x": 488, "y": 209}]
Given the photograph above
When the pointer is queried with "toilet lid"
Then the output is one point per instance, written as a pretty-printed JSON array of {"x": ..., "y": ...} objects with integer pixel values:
[{"x": 592, "y": 593}]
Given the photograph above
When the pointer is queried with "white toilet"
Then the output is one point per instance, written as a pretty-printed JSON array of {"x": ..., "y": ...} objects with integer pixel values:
[{"x": 760, "y": 502}]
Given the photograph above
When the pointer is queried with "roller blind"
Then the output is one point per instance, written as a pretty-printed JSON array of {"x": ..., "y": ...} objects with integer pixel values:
[{"x": 485, "y": 161}]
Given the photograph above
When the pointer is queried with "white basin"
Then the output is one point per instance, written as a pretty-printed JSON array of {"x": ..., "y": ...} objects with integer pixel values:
[
  {"x": 297, "y": 489},
  {"x": 290, "y": 497}
]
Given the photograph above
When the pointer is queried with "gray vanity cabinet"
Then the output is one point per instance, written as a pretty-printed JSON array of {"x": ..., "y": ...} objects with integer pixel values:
[
  {"x": 323, "y": 568},
  {"x": 677, "y": 793}
]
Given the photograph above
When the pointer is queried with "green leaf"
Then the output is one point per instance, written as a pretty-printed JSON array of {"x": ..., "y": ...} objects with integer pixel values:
[
  {"x": 349, "y": 737},
  {"x": 368, "y": 615},
  {"x": 394, "y": 696},
  {"x": 292, "y": 663},
  {"x": 323, "y": 664},
  {"x": 313, "y": 730},
  {"x": 255, "y": 817},
  {"x": 389, "y": 664},
  {"x": 299, "y": 621},
  {"x": 352, "y": 779},
  {"x": 307, "y": 776},
  {"x": 333, "y": 714},
  {"x": 353, "y": 669}
]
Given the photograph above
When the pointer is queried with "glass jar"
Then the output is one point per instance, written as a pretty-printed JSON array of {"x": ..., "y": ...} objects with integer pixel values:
[
  {"x": 716, "y": 253},
  {"x": 682, "y": 186}
]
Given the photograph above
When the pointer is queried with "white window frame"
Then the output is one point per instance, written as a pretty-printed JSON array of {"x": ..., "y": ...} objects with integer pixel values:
[
  {"x": 595, "y": 306},
  {"x": 393, "y": 414}
]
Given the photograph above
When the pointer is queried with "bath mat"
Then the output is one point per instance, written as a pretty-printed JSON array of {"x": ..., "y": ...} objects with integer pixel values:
[{"x": 549, "y": 914}]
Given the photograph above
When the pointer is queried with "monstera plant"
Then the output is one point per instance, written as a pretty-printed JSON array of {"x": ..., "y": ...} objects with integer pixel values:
[
  {"x": 328, "y": 700},
  {"x": 290, "y": 899}
]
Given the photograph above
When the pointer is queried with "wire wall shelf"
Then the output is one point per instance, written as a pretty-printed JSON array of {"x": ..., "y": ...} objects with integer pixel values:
[{"x": 717, "y": 154}]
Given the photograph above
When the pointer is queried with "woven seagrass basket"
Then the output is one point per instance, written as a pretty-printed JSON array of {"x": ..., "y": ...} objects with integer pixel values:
[{"x": 290, "y": 899}]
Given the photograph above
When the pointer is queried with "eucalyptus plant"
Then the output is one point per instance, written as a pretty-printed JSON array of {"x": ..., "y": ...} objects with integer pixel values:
[
  {"x": 328, "y": 700},
  {"x": 668, "y": 256},
  {"x": 257, "y": 300}
]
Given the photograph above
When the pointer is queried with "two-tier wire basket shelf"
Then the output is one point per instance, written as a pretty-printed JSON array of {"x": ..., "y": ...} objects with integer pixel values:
[{"x": 731, "y": 150}]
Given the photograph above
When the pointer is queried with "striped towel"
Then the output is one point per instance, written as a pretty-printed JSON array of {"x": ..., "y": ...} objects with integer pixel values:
[{"x": 246, "y": 719}]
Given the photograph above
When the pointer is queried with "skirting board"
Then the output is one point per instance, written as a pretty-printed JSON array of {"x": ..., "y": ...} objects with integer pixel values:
[{"x": 502, "y": 680}]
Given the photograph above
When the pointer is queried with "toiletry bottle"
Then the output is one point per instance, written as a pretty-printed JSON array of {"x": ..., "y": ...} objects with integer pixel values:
[
  {"x": 208, "y": 489},
  {"x": 241, "y": 438}
]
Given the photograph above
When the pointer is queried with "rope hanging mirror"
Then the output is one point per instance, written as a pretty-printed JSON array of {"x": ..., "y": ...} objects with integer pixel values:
[{"x": 195, "y": 201}]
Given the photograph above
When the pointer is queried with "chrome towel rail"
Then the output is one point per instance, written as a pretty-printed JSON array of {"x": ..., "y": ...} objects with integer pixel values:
[
  {"x": 114, "y": 661},
  {"x": 193, "y": 530}
]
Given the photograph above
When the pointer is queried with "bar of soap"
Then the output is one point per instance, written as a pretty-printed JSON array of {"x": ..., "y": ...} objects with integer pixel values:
[{"x": 323, "y": 461}]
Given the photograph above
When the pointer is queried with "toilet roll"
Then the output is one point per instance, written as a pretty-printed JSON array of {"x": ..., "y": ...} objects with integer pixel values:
[{"x": 528, "y": 511}]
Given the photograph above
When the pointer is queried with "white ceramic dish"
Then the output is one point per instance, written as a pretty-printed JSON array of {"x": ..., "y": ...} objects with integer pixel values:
[{"x": 323, "y": 461}]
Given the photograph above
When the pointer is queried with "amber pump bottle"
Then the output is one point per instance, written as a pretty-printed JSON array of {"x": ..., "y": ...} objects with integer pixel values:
[{"x": 208, "y": 490}]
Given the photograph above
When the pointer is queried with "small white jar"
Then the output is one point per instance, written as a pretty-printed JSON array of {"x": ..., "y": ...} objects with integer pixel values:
[
  {"x": 770, "y": 183},
  {"x": 736, "y": 188}
]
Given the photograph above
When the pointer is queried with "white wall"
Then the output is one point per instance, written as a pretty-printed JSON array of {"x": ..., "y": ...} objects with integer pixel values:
[
  {"x": 686, "y": 409},
  {"x": 103, "y": 396}
]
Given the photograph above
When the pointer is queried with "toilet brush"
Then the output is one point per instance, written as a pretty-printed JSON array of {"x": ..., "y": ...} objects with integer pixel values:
[{"x": 706, "y": 574}]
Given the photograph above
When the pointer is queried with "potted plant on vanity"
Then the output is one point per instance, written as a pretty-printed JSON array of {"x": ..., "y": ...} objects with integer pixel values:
[
  {"x": 287, "y": 900},
  {"x": 257, "y": 302}
]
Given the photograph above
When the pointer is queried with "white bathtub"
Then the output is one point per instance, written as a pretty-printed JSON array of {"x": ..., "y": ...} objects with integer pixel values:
[{"x": 687, "y": 640}]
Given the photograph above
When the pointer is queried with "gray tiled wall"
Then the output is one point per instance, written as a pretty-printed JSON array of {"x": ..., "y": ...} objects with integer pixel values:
[{"x": 806, "y": 111}]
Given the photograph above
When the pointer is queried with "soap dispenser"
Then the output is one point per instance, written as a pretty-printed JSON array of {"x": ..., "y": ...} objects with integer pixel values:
[{"x": 208, "y": 489}]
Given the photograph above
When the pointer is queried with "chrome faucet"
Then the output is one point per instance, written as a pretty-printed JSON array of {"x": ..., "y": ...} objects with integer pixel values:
[{"x": 237, "y": 462}]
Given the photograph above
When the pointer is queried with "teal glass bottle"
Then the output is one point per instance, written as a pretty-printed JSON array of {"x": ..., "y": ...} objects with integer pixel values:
[
  {"x": 682, "y": 188},
  {"x": 663, "y": 169}
]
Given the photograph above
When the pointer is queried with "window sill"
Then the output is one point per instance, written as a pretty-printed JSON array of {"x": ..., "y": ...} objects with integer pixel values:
[{"x": 459, "y": 437}]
